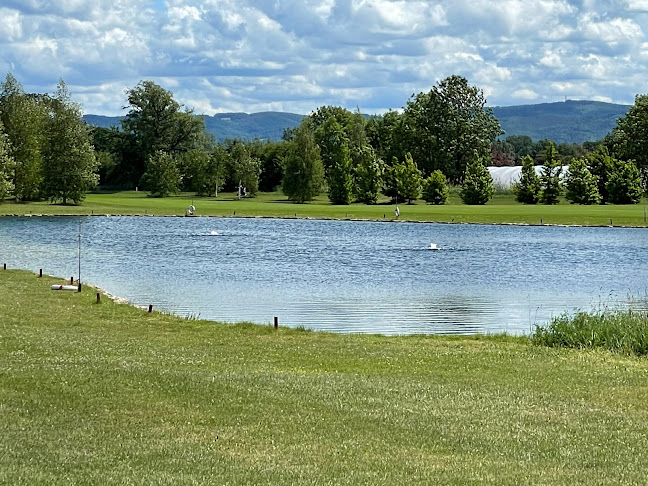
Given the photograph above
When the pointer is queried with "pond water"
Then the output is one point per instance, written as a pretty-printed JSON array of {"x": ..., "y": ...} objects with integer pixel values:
[{"x": 342, "y": 276}]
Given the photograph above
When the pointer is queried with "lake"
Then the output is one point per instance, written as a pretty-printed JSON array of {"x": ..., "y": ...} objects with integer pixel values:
[{"x": 342, "y": 276}]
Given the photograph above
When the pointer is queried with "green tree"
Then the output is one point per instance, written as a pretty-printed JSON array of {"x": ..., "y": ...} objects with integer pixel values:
[
  {"x": 303, "y": 170},
  {"x": 580, "y": 185},
  {"x": 156, "y": 122},
  {"x": 550, "y": 177},
  {"x": 629, "y": 138},
  {"x": 477, "y": 187},
  {"x": 214, "y": 178},
  {"x": 624, "y": 183},
  {"x": 7, "y": 166},
  {"x": 527, "y": 190},
  {"x": 445, "y": 127},
  {"x": 435, "y": 188},
  {"x": 23, "y": 117},
  {"x": 69, "y": 164},
  {"x": 368, "y": 176},
  {"x": 600, "y": 164},
  {"x": 408, "y": 179},
  {"x": 162, "y": 177},
  {"x": 246, "y": 168},
  {"x": 194, "y": 166}
]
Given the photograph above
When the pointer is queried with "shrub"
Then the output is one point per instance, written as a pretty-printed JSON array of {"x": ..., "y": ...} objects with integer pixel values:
[{"x": 435, "y": 188}]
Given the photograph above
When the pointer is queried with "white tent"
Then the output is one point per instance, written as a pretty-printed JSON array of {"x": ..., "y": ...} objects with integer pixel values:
[{"x": 507, "y": 176}]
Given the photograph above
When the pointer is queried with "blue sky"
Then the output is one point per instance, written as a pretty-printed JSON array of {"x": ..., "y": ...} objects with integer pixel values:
[{"x": 294, "y": 56}]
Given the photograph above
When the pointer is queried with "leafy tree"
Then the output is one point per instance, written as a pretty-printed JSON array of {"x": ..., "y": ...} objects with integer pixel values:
[
  {"x": 435, "y": 188},
  {"x": 214, "y": 178},
  {"x": 23, "y": 117},
  {"x": 303, "y": 169},
  {"x": 156, "y": 122},
  {"x": 408, "y": 179},
  {"x": 7, "y": 166},
  {"x": 390, "y": 186},
  {"x": 527, "y": 190},
  {"x": 477, "y": 187},
  {"x": 629, "y": 139},
  {"x": 246, "y": 168},
  {"x": 272, "y": 157},
  {"x": 601, "y": 164},
  {"x": 368, "y": 176},
  {"x": 446, "y": 126},
  {"x": 580, "y": 185},
  {"x": 624, "y": 183},
  {"x": 69, "y": 163},
  {"x": 385, "y": 133},
  {"x": 162, "y": 176},
  {"x": 194, "y": 166},
  {"x": 550, "y": 177}
]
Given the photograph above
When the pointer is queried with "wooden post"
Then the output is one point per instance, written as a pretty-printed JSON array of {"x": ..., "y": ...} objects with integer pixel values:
[
  {"x": 98, "y": 297},
  {"x": 40, "y": 273},
  {"x": 276, "y": 322},
  {"x": 5, "y": 266},
  {"x": 79, "y": 287},
  {"x": 611, "y": 222},
  {"x": 71, "y": 280},
  {"x": 150, "y": 307}
]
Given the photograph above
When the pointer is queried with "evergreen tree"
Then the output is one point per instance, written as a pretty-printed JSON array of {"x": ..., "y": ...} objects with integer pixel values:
[
  {"x": 550, "y": 178},
  {"x": 7, "y": 166},
  {"x": 368, "y": 176},
  {"x": 69, "y": 164},
  {"x": 624, "y": 183},
  {"x": 478, "y": 183},
  {"x": 303, "y": 170},
  {"x": 408, "y": 179},
  {"x": 527, "y": 190},
  {"x": 580, "y": 185},
  {"x": 162, "y": 176},
  {"x": 435, "y": 188}
]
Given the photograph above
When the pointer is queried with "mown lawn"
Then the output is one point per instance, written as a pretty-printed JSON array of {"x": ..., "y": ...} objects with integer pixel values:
[
  {"x": 502, "y": 209},
  {"x": 109, "y": 394}
]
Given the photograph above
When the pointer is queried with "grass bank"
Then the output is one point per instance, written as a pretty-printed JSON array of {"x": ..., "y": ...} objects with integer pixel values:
[
  {"x": 109, "y": 394},
  {"x": 501, "y": 210}
]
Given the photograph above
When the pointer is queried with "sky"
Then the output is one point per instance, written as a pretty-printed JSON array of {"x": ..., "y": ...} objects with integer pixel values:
[{"x": 294, "y": 56}]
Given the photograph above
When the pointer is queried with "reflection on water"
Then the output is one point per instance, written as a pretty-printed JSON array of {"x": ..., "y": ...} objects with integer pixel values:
[{"x": 343, "y": 276}]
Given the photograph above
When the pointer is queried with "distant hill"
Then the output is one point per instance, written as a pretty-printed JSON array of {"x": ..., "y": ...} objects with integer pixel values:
[{"x": 564, "y": 122}]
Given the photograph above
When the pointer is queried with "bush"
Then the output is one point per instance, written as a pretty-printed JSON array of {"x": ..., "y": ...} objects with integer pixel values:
[
  {"x": 478, "y": 184},
  {"x": 435, "y": 188},
  {"x": 527, "y": 191},
  {"x": 621, "y": 332}
]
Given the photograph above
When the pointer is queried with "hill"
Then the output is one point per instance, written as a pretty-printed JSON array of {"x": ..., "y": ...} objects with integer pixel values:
[{"x": 563, "y": 122}]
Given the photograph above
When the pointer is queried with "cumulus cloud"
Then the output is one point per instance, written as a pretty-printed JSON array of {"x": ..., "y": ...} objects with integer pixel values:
[{"x": 296, "y": 55}]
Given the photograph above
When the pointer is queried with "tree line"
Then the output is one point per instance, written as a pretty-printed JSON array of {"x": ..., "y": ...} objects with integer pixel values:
[{"x": 442, "y": 137}]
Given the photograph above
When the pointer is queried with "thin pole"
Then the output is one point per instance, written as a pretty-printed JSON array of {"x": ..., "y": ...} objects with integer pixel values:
[{"x": 79, "y": 281}]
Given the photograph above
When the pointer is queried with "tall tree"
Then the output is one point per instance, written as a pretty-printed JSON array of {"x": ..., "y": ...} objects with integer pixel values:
[
  {"x": 580, "y": 185},
  {"x": 246, "y": 168},
  {"x": 368, "y": 176},
  {"x": 600, "y": 164},
  {"x": 157, "y": 122},
  {"x": 23, "y": 117},
  {"x": 69, "y": 164},
  {"x": 408, "y": 179},
  {"x": 527, "y": 190},
  {"x": 447, "y": 125},
  {"x": 303, "y": 169},
  {"x": 478, "y": 184},
  {"x": 630, "y": 136},
  {"x": 550, "y": 177},
  {"x": 624, "y": 183},
  {"x": 162, "y": 176},
  {"x": 435, "y": 188},
  {"x": 7, "y": 166}
]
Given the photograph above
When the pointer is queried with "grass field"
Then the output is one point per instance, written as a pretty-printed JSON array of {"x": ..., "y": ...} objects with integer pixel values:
[
  {"x": 103, "y": 393},
  {"x": 502, "y": 209}
]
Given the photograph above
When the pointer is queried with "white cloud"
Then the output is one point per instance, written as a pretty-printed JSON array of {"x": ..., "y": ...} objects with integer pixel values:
[{"x": 246, "y": 55}]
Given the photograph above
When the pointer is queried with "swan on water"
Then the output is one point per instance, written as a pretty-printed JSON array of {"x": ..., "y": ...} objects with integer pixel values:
[
  {"x": 213, "y": 233},
  {"x": 433, "y": 246}
]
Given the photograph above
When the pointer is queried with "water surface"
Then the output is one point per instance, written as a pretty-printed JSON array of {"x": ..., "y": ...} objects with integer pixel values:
[{"x": 342, "y": 276}]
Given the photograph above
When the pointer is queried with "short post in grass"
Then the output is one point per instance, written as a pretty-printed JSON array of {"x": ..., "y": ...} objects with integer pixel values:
[
  {"x": 71, "y": 280},
  {"x": 150, "y": 308},
  {"x": 644, "y": 214},
  {"x": 40, "y": 273},
  {"x": 276, "y": 322},
  {"x": 98, "y": 297},
  {"x": 4, "y": 266}
]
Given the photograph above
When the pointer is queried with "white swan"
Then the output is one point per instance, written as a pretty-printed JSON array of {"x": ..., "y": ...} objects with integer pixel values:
[{"x": 433, "y": 246}]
